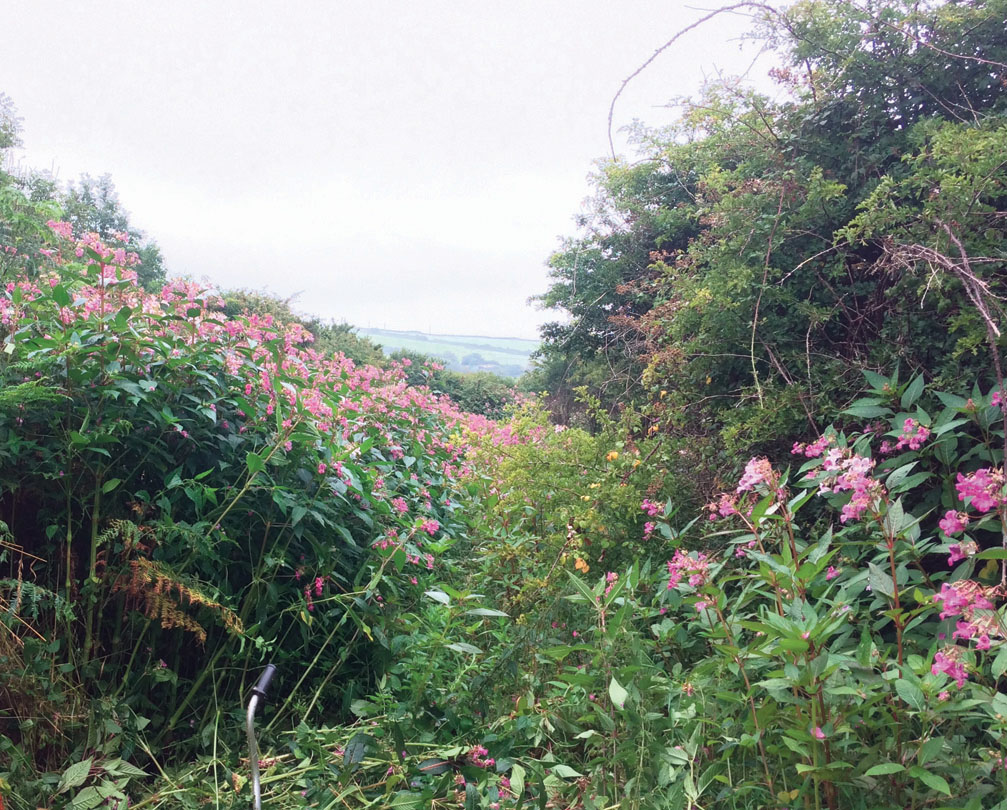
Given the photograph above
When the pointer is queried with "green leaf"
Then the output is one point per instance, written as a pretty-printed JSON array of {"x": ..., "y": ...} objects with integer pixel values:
[
  {"x": 911, "y": 482},
  {"x": 87, "y": 799},
  {"x": 517, "y": 780},
  {"x": 406, "y": 799},
  {"x": 797, "y": 645},
  {"x": 999, "y": 665},
  {"x": 434, "y": 767},
  {"x": 911, "y": 694},
  {"x": 60, "y": 295},
  {"x": 875, "y": 380},
  {"x": 254, "y": 463},
  {"x": 486, "y": 612},
  {"x": 912, "y": 392},
  {"x": 438, "y": 596},
  {"x": 930, "y": 749},
  {"x": 617, "y": 693},
  {"x": 582, "y": 586},
  {"x": 566, "y": 772},
  {"x": 940, "y": 430},
  {"x": 356, "y": 749},
  {"x": 864, "y": 647},
  {"x": 464, "y": 647},
  {"x": 75, "y": 775},
  {"x": 945, "y": 450},
  {"x": 899, "y": 475},
  {"x": 471, "y": 797},
  {"x": 796, "y": 747},
  {"x": 363, "y": 708},
  {"x": 952, "y": 400},
  {"x": 879, "y": 581},
  {"x": 122, "y": 318},
  {"x": 895, "y": 518},
  {"x": 116, "y": 767},
  {"x": 868, "y": 411},
  {"x": 930, "y": 779},
  {"x": 992, "y": 554},
  {"x": 884, "y": 769},
  {"x": 110, "y": 484}
]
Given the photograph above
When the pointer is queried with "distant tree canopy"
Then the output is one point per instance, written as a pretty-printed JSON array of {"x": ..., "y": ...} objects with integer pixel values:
[
  {"x": 10, "y": 124},
  {"x": 759, "y": 253},
  {"x": 92, "y": 204},
  {"x": 28, "y": 199}
]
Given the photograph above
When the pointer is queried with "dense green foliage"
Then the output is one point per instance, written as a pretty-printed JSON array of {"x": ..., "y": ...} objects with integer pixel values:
[
  {"x": 472, "y": 605},
  {"x": 759, "y": 252}
]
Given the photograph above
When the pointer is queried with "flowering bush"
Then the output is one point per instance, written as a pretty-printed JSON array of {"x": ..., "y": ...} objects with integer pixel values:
[
  {"x": 559, "y": 499},
  {"x": 837, "y": 640},
  {"x": 859, "y": 652},
  {"x": 185, "y": 489}
]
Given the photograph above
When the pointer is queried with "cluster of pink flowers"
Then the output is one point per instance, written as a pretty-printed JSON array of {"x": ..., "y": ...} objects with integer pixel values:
[
  {"x": 815, "y": 448},
  {"x": 695, "y": 568},
  {"x": 64, "y": 229},
  {"x": 846, "y": 472},
  {"x": 961, "y": 551},
  {"x": 742, "y": 550},
  {"x": 984, "y": 488},
  {"x": 913, "y": 435},
  {"x": 650, "y": 508},
  {"x": 758, "y": 472},
  {"x": 962, "y": 598},
  {"x": 965, "y": 598},
  {"x": 725, "y": 506},
  {"x": 610, "y": 578},
  {"x": 947, "y": 662},
  {"x": 11, "y": 307},
  {"x": 480, "y": 757},
  {"x": 504, "y": 787},
  {"x": 953, "y": 522},
  {"x": 312, "y": 589}
]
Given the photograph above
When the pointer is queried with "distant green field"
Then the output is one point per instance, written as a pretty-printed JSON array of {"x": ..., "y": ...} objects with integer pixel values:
[{"x": 458, "y": 350}]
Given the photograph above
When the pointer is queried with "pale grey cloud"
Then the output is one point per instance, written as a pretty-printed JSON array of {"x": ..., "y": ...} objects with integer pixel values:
[{"x": 400, "y": 164}]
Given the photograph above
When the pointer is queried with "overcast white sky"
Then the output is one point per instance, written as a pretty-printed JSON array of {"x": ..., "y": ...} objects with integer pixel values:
[{"x": 408, "y": 165}]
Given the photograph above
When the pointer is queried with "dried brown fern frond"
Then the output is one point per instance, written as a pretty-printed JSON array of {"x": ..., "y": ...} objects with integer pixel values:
[
  {"x": 11, "y": 607},
  {"x": 164, "y": 596}
]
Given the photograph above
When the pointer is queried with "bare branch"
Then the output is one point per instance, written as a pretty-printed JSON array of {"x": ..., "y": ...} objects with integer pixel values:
[{"x": 747, "y": 5}]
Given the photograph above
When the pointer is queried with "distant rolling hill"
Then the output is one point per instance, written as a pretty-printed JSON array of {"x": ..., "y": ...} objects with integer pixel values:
[{"x": 508, "y": 357}]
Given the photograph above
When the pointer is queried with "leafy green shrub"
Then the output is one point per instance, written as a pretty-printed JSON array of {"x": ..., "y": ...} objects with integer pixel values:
[
  {"x": 189, "y": 494},
  {"x": 846, "y": 659}
]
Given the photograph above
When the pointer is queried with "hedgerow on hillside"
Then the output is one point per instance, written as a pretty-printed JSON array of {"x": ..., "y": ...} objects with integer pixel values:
[{"x": 186, "y": 495}]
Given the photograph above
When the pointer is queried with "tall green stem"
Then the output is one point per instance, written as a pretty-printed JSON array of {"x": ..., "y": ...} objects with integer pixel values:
[{"x": 92, "y": 570}]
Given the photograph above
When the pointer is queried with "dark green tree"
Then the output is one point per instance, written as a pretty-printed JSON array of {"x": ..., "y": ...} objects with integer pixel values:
[{"x": 741, "y": 271}]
